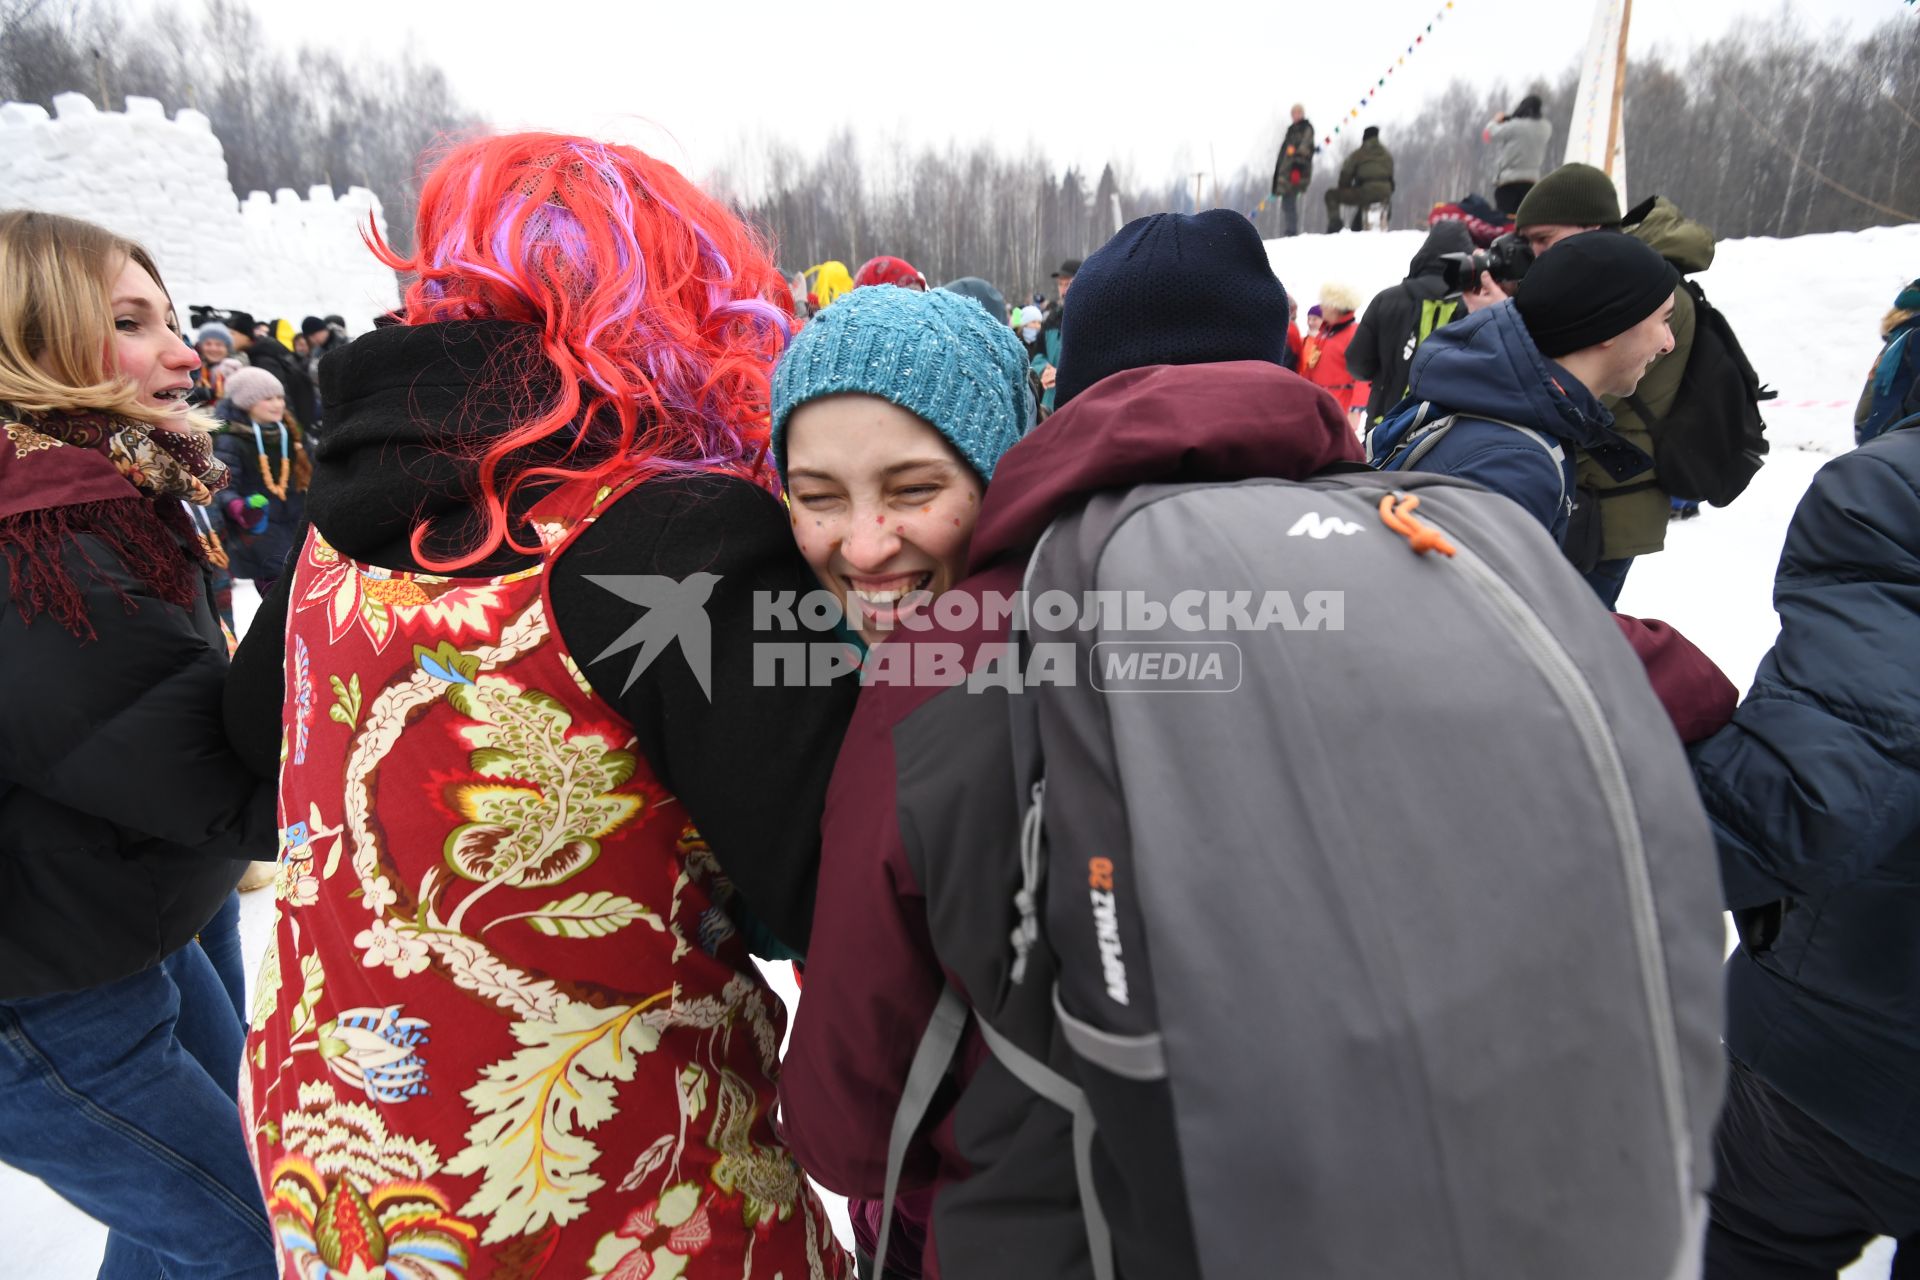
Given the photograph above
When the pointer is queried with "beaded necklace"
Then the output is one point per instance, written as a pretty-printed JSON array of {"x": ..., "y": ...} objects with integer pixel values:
[
  {"x": 203, "y": 527},
  {"x": 277, "y": 489}
]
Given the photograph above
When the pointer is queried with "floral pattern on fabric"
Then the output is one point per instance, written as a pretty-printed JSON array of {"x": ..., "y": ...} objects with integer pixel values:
[{"x": 505, "y": 1027}]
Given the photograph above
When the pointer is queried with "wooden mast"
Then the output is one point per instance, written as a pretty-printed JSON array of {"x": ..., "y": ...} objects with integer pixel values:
[{"x": 1616, "y": 121}]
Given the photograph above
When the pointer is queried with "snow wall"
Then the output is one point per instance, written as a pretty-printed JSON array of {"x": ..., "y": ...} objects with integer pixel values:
[{"x": 164, "y": 183}]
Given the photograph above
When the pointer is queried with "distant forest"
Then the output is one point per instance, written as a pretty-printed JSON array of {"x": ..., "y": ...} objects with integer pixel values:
[{"x": 1768, "y": 131}]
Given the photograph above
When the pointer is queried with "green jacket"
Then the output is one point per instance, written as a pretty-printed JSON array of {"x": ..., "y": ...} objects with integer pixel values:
[
  {"x": 1370, "y": 165},
  {"x": 1633, "y": 512}
]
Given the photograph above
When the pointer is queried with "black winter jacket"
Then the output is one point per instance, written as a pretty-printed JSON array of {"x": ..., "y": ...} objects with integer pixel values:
[
  {"x": 1814, "y": 792},
  {"x": 750, "y": 764},
  {"x": 125, "y": 817},
  {"x": 1383, "y": 345}
]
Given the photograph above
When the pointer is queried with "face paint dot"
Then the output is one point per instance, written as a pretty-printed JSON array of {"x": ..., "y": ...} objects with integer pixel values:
[
  {"x": 956, "y": 524},
  {"x": 924, "y": 510},
  {"x": 879, "y": 519}
]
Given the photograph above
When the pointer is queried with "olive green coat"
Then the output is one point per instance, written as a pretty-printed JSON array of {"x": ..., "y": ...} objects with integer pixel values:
[{"x": 1633, "y": 519}]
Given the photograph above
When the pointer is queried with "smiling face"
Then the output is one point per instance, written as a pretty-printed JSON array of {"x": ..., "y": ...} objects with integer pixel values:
[
  {"x": 1635, "y": 350},
  {"x": 883, "y": 507},
  {"x": 146, "y": 350},
  {"x": 270, "y": 410}
]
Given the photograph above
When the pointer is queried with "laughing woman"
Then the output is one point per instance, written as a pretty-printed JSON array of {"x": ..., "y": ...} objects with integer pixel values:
[
  {"x": 124, "y": 815},
  {"x": 508, "y": 1024},
  {"x": 890, "y": 412}
]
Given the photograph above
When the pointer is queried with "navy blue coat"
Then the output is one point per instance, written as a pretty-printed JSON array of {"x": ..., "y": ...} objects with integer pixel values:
[
  {"x": 1814, "y": 792},
  {"x": 260, "y": 556},
  {"x": 1487, "y": 369}
]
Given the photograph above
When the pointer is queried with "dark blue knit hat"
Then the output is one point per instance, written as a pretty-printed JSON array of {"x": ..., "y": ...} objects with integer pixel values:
[{"x": 1172, "y": 288}]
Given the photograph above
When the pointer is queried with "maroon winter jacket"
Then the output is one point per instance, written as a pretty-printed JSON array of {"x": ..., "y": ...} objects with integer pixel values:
[{"x": 872, "y": 976}]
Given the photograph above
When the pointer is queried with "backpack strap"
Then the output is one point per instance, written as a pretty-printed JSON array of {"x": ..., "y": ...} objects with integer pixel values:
[
  {"x": 1424, "y": 445},
  {"x": 1069, "y": 1097},
  {"x": 1030, "y": 789},
  {"x": 930, "y": 1062}
]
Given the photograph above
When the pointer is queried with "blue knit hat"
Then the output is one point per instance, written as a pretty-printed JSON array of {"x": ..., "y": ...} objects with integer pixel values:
[
  {"x": 219, "y": 331},
  {"x": 1171, "y": 288},
  {"x": 936, "y": 354}
]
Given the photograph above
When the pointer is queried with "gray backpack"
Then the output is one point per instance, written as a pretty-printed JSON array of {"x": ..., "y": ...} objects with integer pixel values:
[{"x": 1386, "y": 945}]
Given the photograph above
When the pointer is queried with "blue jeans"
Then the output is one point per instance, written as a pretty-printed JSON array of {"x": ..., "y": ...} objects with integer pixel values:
[
  {"x": 121, "y": 1098},
  {"x": 220, "y": 939},
  {"x": 1606, "y": 579}
]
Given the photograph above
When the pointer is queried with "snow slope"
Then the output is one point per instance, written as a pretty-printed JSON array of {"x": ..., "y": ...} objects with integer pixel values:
[{"x": 1807, "y": 311}]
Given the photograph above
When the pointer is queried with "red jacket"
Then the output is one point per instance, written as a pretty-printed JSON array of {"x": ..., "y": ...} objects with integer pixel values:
[{"x": 1325, "y": 364}]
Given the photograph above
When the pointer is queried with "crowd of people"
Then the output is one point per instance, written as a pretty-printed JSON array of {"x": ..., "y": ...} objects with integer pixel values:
[{"x": 505, "y": 732}]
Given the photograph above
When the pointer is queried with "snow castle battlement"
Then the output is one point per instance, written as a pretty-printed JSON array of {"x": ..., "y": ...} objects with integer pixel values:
[{"x": 165, "y": 184}]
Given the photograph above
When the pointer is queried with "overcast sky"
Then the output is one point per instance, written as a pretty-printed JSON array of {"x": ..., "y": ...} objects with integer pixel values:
[{"x": 1164, "y": 87}]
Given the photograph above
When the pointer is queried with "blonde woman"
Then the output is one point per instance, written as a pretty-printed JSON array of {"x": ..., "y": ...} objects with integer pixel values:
[{"x": 125, "y": 818}]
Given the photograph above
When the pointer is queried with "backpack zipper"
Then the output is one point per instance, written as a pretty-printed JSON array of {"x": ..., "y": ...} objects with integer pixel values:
[{"x": 1576, "y": 696}]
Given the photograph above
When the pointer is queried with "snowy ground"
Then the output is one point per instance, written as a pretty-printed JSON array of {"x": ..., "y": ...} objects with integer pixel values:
[{"x": 1806, "y": 309}]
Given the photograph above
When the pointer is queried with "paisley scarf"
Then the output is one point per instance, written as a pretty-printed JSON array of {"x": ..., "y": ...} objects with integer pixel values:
[{"x": 67, "y": 475}]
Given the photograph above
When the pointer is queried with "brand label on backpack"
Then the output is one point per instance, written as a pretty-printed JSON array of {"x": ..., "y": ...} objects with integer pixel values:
[
  {"x": 1319, "y": 527},
  {"x": 1106, "y": 927}
]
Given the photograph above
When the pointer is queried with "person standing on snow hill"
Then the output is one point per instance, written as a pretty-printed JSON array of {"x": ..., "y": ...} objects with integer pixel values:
[
  {"x": 513, "y": 669},
  {"x": 1365, "y": 179},
  {"x": 1293, "y": 169},
  {"x": 1892, "y": 393},
  {"x": 889, "y": 416},
  {"x": 1814, "y": 793},
  {"x": 1524, "y": 379},
  {"x": 125, "y": 815},
  {"x": 1325, "y": 365},
  {"x": 1401, "y": 317},
  {"x": 1520, "y": 145}
]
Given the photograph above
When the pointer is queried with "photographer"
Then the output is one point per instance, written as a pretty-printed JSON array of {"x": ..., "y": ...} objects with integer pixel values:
[{"x": 1520, "y": 156}]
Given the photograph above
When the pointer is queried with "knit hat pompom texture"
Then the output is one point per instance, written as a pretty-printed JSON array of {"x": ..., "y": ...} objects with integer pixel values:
[
  {"x": 1590, "y": 288},
  {"x": 248, "y": 387},
  {"x": 1574, "y": 195},
  {"x": 937, "y": 355}
]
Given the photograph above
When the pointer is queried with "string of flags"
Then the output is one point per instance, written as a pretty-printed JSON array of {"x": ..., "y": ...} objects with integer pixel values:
[{"x": 1353, "y": 113}]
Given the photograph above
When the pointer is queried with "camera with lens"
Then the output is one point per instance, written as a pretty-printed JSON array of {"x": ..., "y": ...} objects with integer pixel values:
[{"x": 1506, "y": 260}]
